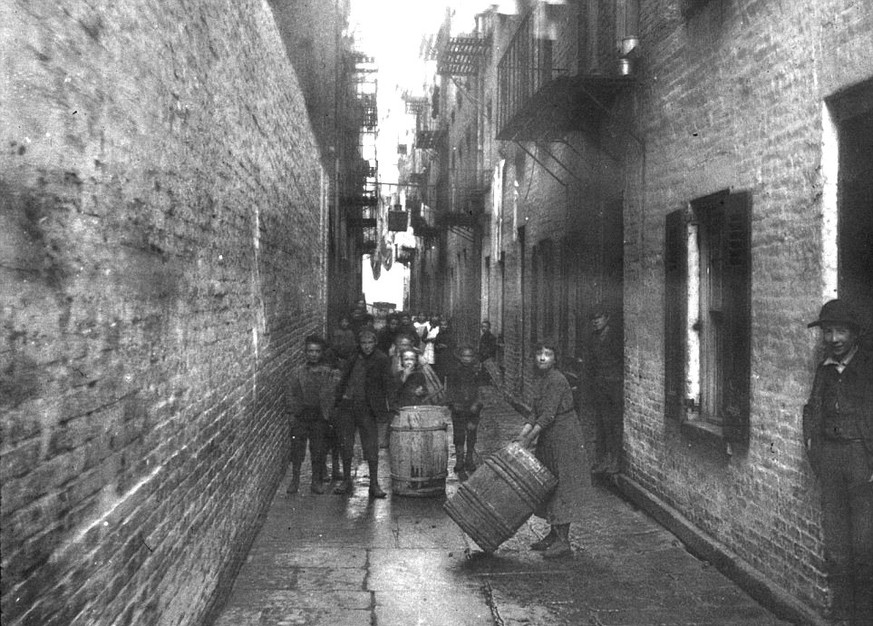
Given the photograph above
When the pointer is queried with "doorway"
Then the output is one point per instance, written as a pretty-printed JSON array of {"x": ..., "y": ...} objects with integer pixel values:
[{"x": 853, "y": 114}]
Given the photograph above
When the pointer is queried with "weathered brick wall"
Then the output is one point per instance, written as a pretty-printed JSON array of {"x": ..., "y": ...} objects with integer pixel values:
[
  {"x": 732, "y": 98},
  {"x": 159, "y": 216},
  {"x": 550, "y": 210}
]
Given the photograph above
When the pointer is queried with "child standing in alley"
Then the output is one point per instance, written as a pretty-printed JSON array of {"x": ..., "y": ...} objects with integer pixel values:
[
  {"x": 462, "y": 390},
  {"x": 311, "y": 393}
]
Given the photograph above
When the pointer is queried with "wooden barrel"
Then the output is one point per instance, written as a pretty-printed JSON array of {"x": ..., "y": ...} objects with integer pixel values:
[
  {"x": 500, "y": 496},
  {"x": 419, "y": 450}
]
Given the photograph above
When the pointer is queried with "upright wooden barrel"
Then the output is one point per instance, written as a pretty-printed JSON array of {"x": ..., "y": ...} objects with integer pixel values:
[
  {"x": 419, "y": 450},
  {"x": 500, "y": 496}
]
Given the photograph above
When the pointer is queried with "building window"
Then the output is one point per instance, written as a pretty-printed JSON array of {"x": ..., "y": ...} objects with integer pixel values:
[{"x": 708, "y": 314}]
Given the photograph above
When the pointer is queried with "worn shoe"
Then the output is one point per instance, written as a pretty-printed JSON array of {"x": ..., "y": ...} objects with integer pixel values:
[
  {"x": 558, "y": 549},
  {"x": 344, "y": 488},
  {"x": 376, "y": 491},
  {"x": 544, "y": 543}
]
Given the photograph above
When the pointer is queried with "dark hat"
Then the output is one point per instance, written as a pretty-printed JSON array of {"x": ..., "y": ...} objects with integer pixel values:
[
  {"x": 367, "y": 330},
  {"x": 598, "y": 311},
  {"x": 836, "y": 312}
]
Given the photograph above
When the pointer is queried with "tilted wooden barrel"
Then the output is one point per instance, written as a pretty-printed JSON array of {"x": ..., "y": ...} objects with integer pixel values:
[
  {"x": 500, "y": 496},
  {"x": 419, "y": 450}
]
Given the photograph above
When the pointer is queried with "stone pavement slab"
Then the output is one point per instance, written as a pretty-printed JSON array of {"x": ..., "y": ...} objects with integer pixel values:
[{"x": 335, "y": 560}]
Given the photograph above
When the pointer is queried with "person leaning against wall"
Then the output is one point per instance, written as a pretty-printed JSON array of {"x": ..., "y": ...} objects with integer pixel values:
[
  {"x": 838, "y": 435},
  {"x": 605, "y": 368}
]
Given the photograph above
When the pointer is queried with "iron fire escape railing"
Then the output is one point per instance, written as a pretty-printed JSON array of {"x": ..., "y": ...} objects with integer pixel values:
[{"x": 525, "y": 68}]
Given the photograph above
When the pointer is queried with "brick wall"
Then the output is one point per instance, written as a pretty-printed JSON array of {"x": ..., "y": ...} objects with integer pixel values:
[
  {"x": 160, "y": 216},
  {"x": 732, "y": 98}
]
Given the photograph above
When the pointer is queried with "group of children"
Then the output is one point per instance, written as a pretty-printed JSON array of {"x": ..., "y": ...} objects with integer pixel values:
[{"x": 332, "y": 399}]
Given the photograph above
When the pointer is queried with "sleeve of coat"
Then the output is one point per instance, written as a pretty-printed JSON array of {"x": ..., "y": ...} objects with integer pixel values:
[
  {"x": 551, "y": 399},
  {"x": 388, "y": 383},
  {"x": 328, "y": 394},
  {"x": 812, "y": 411},
  {"x": 343, "y": 376}
]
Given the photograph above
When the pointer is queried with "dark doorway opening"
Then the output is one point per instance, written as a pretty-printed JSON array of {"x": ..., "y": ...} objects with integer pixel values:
[{"x": 853, "y": 113}]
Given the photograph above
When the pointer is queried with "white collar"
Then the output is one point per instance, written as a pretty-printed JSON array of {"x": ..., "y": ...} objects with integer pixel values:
[{"x": 842, "y": 363}]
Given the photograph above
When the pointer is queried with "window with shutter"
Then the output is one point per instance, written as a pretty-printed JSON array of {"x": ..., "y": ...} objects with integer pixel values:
[
  {"x": 709, "y": 390},
  {"x": 675, "y": 294},
  {"x": 724, "y": 315},
  {"x": 736, "y": 366}
]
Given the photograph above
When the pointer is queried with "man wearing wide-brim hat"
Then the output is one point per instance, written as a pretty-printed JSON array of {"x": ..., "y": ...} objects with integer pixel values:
[{"x": 838, "y": 433}]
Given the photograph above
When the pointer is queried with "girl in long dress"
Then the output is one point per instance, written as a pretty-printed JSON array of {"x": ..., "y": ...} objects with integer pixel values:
[{"x": 554, "y": 431}]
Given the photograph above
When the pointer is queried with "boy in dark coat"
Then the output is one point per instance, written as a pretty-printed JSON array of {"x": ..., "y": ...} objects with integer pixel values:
[
  {"x": 362, "y": 401},
  {"x": 462, "y": 390},
  {"x": 838, "y": 435},
  {"x": 311, "y": 392}
]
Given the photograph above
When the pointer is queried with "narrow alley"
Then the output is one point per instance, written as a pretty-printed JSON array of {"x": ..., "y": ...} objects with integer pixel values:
[
  {"x": 353, "y": 561},
  {"x": 229, "y": 226}
]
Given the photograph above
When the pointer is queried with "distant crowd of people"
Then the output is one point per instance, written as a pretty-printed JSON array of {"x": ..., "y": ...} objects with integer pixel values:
[{"x": 360, "y": 376}]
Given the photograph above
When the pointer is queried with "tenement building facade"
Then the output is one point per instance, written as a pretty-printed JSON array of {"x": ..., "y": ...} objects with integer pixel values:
[{"x": 699, "y": 169}]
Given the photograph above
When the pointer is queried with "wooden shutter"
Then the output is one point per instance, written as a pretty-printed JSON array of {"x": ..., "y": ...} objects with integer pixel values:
[
  {"x": 675, "y": 303},
  {"x": 738, "y": 318}
]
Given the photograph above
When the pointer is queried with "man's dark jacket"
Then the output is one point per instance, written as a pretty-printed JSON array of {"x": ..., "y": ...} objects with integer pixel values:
[
  {"x": 487, "y": 346},
  {"x": 378, "y": 381},
  {"x": 856, "y": 396}
]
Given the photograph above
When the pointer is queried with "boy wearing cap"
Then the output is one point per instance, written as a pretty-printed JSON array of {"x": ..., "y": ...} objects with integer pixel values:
[
  {"x": 838, "y": 435},
  {"x": 362, "y": 400}
]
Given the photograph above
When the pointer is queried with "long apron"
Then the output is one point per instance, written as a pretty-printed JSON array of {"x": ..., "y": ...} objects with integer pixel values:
[{"x": 561, "y": 448}]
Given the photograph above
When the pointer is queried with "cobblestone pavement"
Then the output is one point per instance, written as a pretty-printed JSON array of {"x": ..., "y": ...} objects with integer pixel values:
[{"x": 348, "y": 560}]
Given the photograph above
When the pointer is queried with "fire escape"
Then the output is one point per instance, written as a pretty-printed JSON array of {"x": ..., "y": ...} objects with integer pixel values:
[
  {"x": 461, "y": 192},
  {"x": 546, "y": 92},
  {"x": 360, "y": 197}
]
